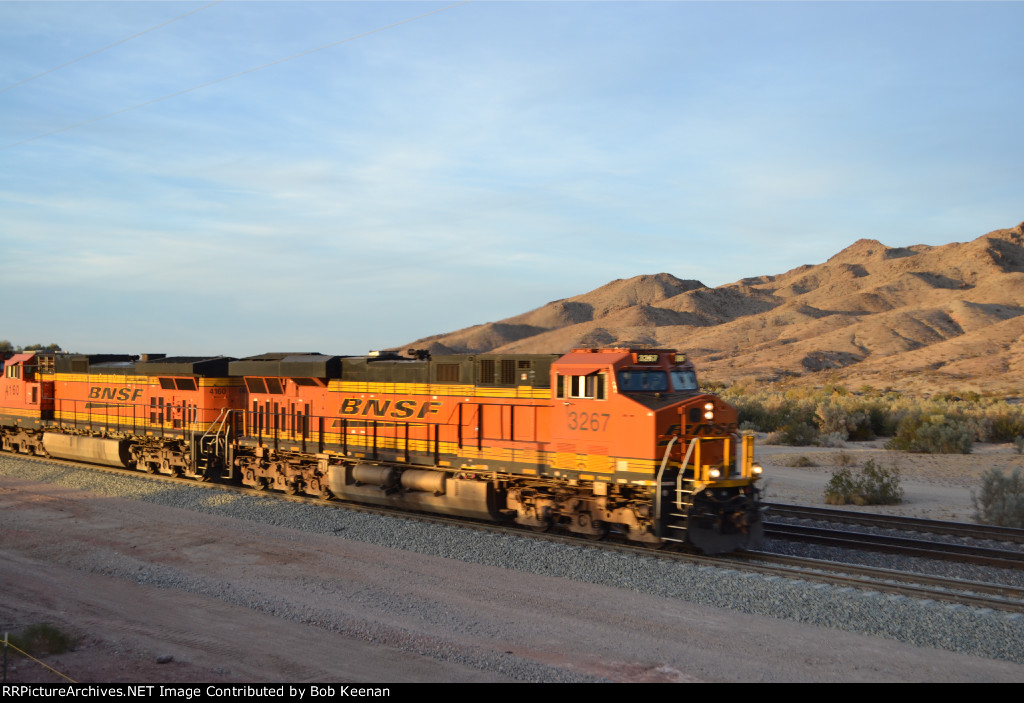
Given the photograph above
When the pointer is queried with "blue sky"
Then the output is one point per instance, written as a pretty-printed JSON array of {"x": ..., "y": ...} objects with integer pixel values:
[{"x": 474, "y": 163}]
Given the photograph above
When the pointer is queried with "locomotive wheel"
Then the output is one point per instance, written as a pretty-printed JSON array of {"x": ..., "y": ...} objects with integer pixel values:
[
  {"x": 543, "y": 518},
  {"x": 602, "y": 530},
  {"x": 591, "y": 528}
]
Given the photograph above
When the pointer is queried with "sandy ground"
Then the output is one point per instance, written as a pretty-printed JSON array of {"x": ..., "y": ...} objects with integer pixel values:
[
  {"x": 55, "y": 542},
  {"x": 936, "y": 486}
]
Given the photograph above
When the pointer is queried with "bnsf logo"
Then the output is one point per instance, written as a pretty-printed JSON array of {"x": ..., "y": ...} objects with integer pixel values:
[
  {"x": 114, "y": 393},
  {"x": 383, "y": 408}
]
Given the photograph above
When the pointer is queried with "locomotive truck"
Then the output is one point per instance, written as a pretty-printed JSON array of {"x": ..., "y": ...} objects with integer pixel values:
[{"x": 592, "y": 441}]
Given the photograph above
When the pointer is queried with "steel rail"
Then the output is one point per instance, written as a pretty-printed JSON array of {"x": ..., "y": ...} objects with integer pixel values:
[
  {"x": 960, "y": 529},
  {"x": 999, "y": 558}
]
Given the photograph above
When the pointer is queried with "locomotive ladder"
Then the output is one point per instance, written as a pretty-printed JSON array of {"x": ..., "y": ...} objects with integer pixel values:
[
  {"x": 677, "y": 514},
  {"x": 212, "y": 447}
]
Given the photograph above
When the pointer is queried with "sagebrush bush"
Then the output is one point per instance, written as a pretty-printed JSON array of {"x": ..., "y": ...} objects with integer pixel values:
[
  {"x": 800, "y": 434},
  {"x": 844, "y": 459},
  {"x": 834, "y": 440},
  {"x": 841, "y": 487},
  {"x": 1000, "y": 499},
  {"x": 840, "y": 418},
  {"x": 1007, "y": 427},
  {"x": 873, "y": 485},
  {"x": 933, "y": 434}
]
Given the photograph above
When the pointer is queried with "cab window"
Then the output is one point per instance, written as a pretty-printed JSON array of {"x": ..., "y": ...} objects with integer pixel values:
[
  {"x": 591, "y": 386},
  {"x": 683, "y": 380},
  {"x": 642, "y": 381}
]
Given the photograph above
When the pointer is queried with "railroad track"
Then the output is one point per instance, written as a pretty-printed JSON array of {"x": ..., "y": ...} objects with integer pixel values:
[
  {"x": 976, "y": 594},
  {"x": 891, "y": 544},
  {"x": 940, "y": 588},
  {"x": 942, "y": 527},
  {"x": 981, "y": 556}
]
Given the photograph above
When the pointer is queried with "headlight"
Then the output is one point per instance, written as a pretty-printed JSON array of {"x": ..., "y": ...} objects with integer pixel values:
[
  {"x": 756, "y": 469},
  {"x": 715, "y": 473}
]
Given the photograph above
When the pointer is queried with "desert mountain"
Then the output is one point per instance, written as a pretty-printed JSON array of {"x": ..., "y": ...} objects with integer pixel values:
[{"x": 919, "y": 316}]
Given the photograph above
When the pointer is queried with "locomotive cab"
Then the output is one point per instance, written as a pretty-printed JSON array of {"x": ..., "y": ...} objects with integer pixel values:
[
  {"x": 635, "y": 423},
  {"x": 26, "y": 401}
]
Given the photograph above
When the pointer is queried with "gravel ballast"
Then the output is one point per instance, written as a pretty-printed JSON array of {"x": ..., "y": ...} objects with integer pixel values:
[{"x": 984, "y": 633}]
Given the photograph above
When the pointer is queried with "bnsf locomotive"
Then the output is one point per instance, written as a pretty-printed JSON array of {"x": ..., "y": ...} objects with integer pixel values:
[{"x": 592, "y": 441}]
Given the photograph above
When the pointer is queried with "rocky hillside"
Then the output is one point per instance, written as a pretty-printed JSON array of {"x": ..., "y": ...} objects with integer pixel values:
[{"x": 919, "y": 317}]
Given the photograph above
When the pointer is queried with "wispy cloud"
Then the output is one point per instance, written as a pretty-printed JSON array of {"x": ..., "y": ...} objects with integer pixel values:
[{"x": 483, "y": 161}]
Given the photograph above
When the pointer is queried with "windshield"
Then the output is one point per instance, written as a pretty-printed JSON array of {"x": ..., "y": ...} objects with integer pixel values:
[
  {"x": 683, "y": 380},
  {"x": 656, "y": 380},
  {"x": 639, "y": 381}
]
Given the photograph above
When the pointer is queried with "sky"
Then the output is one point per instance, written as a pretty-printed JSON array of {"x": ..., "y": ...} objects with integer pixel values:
[{"x": 437, "y": 165}]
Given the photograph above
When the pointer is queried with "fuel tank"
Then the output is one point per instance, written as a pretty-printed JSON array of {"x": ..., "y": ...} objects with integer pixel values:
[{"x": 94, "y": 450}]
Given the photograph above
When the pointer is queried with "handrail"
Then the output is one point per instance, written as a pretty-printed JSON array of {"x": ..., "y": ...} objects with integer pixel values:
[
  {"x": 661, "y": 473},
  {"x": 220, "y": 424}
]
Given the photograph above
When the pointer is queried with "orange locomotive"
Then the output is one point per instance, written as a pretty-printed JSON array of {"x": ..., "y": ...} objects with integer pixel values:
[
  {"x": 115, "y": 410},
  {"x": 592, "y": 441}
]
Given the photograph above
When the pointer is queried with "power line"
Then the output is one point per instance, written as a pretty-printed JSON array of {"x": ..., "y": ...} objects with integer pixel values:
[
  {"x": 235, "y": 75},
  {"x": 110, "y": 46}
]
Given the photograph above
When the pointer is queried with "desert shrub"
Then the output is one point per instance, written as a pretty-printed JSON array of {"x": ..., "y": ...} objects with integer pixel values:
[
  {"x": 799, "y": 461},
  {"x": 843, "y": 459},
  {"x": 752, "y": 415},
  {"x": 42, "y": 639},
  {"x": 942, "y": 420},
  {"x": 881, "y": 418},
  {"x": 841, "y": 487},
  {"x": 832, "y": 418},
  {"x": 832, "y": 439},
  {"x": 797, "y": 434},
  {"x": 979, "y": 426},
  {"x": 846, "y": 416},
  {"x": 873, "y": 485},
  {"x": 1000, "y": 499},
  {"x": 1007, "y": 427},
  {"x": 933, "y": 434}
]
